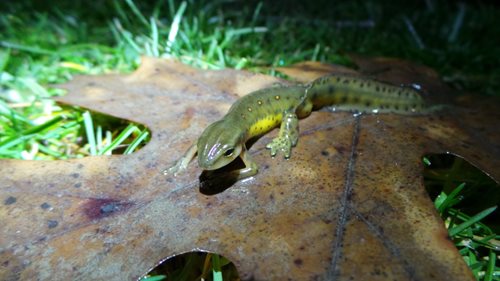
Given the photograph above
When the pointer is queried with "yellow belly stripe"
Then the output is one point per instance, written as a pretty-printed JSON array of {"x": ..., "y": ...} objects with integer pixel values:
[{"x": 264, "y": 125}]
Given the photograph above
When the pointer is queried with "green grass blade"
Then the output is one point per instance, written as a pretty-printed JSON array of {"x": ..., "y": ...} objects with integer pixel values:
[
  {"x": 119, "y": 10},
  {"x": 13, "y": 141},
  {"x": 12, "y": 115},
  {"x": 457, "y": 24},
  {"x": 490, "y": 268},
  {"x": 119, "y": 139},
  {"x": 4, "y": 59},
  {"x": 216, "y": 268},
  {"x": 438, "y": 202},
  {"x": 35, "y": 87},
  {"x": 20, "y": 47},
  {"x": 256, "y": 13},
  {"x": 242, "y": 63},
  {"x": 51, "y": 152},
  {"x": 426, "y": 161},
  {"x": 34, "y": 130},
  {"x": 171, "y": 8},
  {"x": 476, "y": 218},
  {"x": 133, "y": 145},
  {"x": 154, "y": 278},
  {"x": 136, "y": 12},
  {"x": 98, "y": 139},
  {"x": 89, "y": 130},
  {"x": 109, "y": 139},
  {"x": 127, "y": 36},
  {"x": 451, "y": 199},
  {"x": 174, "y": 27},
  {"x": 154, "y": 36}
]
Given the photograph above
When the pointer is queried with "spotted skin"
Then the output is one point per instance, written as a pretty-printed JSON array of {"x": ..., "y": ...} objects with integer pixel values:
[{"x": 261, "y": 111}]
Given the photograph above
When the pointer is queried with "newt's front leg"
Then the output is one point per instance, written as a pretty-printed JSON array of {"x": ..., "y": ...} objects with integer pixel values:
[
  {"x": 251, "y": 167},
  {"x": 181, "y": 164},
  {"x": 288, "y": 135}
]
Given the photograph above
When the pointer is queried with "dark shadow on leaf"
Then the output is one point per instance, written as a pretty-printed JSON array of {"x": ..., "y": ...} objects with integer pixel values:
[{"x": 217, "y": 181}]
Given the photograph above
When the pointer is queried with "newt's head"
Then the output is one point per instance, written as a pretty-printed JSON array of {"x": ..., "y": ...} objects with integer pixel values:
[{"x": 219, "y": 145}]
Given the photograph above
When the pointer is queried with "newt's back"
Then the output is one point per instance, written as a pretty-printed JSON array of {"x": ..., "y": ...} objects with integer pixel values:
[{"x": 262, "y": 110}]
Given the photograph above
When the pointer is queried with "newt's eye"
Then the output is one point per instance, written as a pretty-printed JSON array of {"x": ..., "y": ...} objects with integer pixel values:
[{"x": 229, "y": 152}]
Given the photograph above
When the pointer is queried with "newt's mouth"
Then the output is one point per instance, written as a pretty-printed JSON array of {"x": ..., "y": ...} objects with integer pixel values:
[{"x": 213, "y": 163}]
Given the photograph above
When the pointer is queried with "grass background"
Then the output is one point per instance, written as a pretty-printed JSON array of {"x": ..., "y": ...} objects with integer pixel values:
[{"x": 42, "y": 44}]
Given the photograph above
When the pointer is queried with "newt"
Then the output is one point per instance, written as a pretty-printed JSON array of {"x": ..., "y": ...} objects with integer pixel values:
[{"x": 261, "y": 111}]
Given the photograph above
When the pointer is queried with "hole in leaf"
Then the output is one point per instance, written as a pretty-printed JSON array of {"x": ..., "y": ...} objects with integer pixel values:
[
  {"x": 72, "y": 133},
  {"x": 194, "y": 266},
  {"x": 467, "y": 200}
]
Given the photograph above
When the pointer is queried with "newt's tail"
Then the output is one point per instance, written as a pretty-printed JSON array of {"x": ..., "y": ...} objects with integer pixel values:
[{"x": 345, "y": 92}]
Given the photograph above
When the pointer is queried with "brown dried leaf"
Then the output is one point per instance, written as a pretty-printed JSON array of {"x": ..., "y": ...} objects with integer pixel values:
[
  {"x": 349, "y": 203},
  {"x": 307, "y": 71}
]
